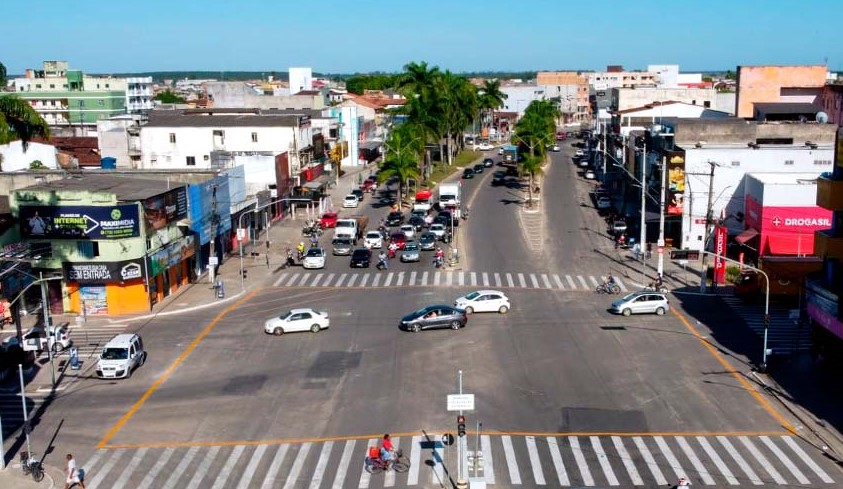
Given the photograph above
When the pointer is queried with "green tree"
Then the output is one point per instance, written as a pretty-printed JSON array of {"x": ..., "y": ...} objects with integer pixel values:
[
  {"x": 536, "y": 128},
  {"x": 2, "y": 76},
  {"x": 490, "y": 98},
  {"x": 168, "y": 97},
  {"x": 730, "y": 75},
  {"x": 402, "y": 149},
  {"x": 18, "y": 120},
  {"x": 532, "y": 167},
  {"x": 36, "y": 165}
]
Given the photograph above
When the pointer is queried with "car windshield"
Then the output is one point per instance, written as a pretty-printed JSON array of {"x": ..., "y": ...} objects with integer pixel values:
[
  {"x": 285, "y": 315},
  {"x": 350, "y": 197},
  {"x": 437, "y": 227},
  {"x": 115, "y": 354},
  {"x": 329, "y": 216},
  {"x": 428, "y": 237},
  {"x": 472, "y": 296},
  {"x": 373, "y": 235},
  {"x": 360, "y": 254},
  {"x": 411, "y": 247},
  {"x": 314, "y": 252},
  {"x": 342, "y": 242},
  {"x": 630, "y": 296}
]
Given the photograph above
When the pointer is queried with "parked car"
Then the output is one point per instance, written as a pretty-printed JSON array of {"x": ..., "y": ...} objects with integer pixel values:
[
  {"x": 427, "y": 241},
  {"x": 641, "y": 302},
  {"x": 478, "y": 168},
  {"x": 488, "y": 162},
  {"x": 589, "y": 175},
  {"x": 583, "y": 163},
  {"x": 328, "y": 220},
  {"x": 430, "y": 317},
  {"x": 394, "y": 218},
  {"x": 314, "y": 258},
  {"x": 408, "y": 229},
  {"x": 604, "y": 202},
  {"x": 468, "y": 173},
  {"x": 342, "y": 246},
  {"x": 373, "y": 239},
  {"x": 358, "y": 193},
  {"x": 555, "y": 148},
  {"x": 369, "y": 185},
  {"x": 483, "y": 301},
  {"x": 121, "y": 356},
  {"x": 360, "y": 258},
  {"x": 438, "y": 229},
  {"x": 580, "y": 153},
  {"x": 484, "y": 147},
  {"x": 400, "y": 239},
  {"x": 295, "y": 320},
  {"x": 411, "y": 252},
  {"x": 56, "y": 338},
  {"x": 350, "y": 201}
]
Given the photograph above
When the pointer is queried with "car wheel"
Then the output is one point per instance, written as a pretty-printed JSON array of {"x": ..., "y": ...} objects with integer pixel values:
[
  {"x": 416, "y": 328},
  {"x": 455, "y": 325},
  {"x": 315, "y": 328},
  {"x": 469, "y": 310},
  {"x": 57, "y": 348},
  {"x": 277, "y": 331},
  {"x": 503, "y": 309},
  {"x": 660, "y": 311},
  {"x": 626, "y": 312},
  {"x": 143, "y": 360}
]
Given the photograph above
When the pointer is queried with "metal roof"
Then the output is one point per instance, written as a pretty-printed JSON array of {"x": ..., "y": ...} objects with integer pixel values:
[
  {"x": 125, "y": 188},
  {"x": 222, "y": 120}
]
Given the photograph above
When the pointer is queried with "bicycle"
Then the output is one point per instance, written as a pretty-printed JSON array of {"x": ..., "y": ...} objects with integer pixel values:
[
  {"x": 399, "y": 463},
  {"x": 608, "y": 288},
  {"x": 31, "y": 465}
]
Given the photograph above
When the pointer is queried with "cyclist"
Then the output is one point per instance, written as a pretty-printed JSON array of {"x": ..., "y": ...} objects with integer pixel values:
[
  {"x": 387, "y": 450},
  {"x": 610, "y": 280}
]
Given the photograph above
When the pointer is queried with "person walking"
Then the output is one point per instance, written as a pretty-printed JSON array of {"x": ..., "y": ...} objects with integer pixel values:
[{"x": 72, "y": 474}]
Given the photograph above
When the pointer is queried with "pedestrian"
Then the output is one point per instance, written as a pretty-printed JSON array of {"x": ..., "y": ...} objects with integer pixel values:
[
  {"x": 72, "y": 474},
  {"x": 649, "y": 251}
]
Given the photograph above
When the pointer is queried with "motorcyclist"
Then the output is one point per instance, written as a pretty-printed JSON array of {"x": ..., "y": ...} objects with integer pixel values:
[
  {"x": 392, "y": 249},
  {"x": 440, "y": 257},
  {"x": 314, "y": 240},
  {"x": 290, "y": 261},
  {"x": 300, "y": 249},
  {"x": 382, "y": 261}
]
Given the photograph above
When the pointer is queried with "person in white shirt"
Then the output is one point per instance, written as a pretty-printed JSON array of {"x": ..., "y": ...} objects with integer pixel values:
[{"x": 72, "y": 474}]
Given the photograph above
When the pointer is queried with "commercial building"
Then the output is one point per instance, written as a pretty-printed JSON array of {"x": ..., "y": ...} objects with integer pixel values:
[
  {"x": 139, "y": 94},
  {"x": 569, "y": 90},
  {"x": 778, "y": 85},
  {"x": 520, "y": 94},
  {"x": 832, "y": 103},
  {"x": 628, "y": 98}
]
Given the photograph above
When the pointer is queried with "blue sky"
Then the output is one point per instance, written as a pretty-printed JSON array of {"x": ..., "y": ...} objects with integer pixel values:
[{"x": 100, "y": 36}]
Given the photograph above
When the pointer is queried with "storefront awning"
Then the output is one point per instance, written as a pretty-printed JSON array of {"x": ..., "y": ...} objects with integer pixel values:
[{"x": 746, "y": 236}]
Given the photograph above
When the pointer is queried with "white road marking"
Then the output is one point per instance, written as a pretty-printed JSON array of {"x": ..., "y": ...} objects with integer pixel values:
[
  {"x": 351, "y": 279},
  {"x": 298, "y": 463},
  {"x": 328, "y": 280},
  {"x": 511, "y": 463},
  {"x": 621, "y": 285},
  {"x": 365, "y": 279},
  {"x": 412, "y": 280},
  {"x": 582, "y": 282},
  {"x": 341, "y": 279},
  {"x": 558, "y": 281},
  {"x": 695, "y": 461},
  {"x": 721, "y": 466},
  {"x": 174, "y": 475},
  {"x": 274, "y": 467},
  {"x": 534, "y": 280},
  {"x": 800, "y": 477},
  {"x": 762, "y": 460},
  {"x": 604, "y": 461},
  {"x": 436, "y": 278},
  {"x": 521, "y": 282},
  {"x": 671, "y": 459},
  {"x": 535, "y": 463},
  {"x": 788, "y": 440},
  {"x": 424, "y": 278},
  {"x": 571, "y": 283},
  {"x": 388, "y": 279},
  {"x": 321, "y": 465},
  {"x": 279, "y": 280},
  {"x": 292, "y": 279},
  {"x": 579, "y": 458},
  {"x": 252, "y": 467},
  {"x": 203, "y": 468},
  {"x": 474, "y": 279},
  {"x": 316, "y": 278},
  {"x": 389, "y": 477},
  {"x": 377, "y": 280},
  {"x": 399, "y": 279},
  {"x": 649, "y": 460},
  {"x": 556, "y": 456},
  {"x": 106, "y": 468},
  {"x": 485, "y": 279},
  {"x": 489, "y": 467},
  {"x": 304, "y": 277},
  {"x": 415, "y": 459},
  {"x": 497, "y": 279},
  {"x": 461, "y": 278},
  {"x": 133, "y": 465},
  {"x": 627, "y": 461},
  {"x": 342, "y": 468},
  {"x": 546, "y": 281},
  {"x": 450, "y": 277},
  {"x": 159, "y": 464},
  {"x": 594, "y": 282},
  {"x": 365, "y": 477},
  {"x": 753, "y": 477},
  {"x": 509, "y": 281},
  {"x": 225, "y": 472}
]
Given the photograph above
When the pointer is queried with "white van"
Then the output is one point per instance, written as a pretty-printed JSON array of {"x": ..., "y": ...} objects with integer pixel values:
[{"x": 120, "y": 356}]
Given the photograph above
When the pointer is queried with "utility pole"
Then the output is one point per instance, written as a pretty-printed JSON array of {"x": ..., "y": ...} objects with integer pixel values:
[
  {"x": 660, "y": 269},
  {"x": 707, "y": 232},
  {"x": 212, "y": 269},
  {"x": 642, "y": 243}
]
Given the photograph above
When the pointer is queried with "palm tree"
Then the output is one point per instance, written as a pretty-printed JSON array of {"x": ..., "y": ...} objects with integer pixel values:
[
  {"x": 400, "y": 161},
  {"x": 531, "y": 167},
  {"x": 18, "y": 120},
  {"x": 457, "y": 100},
  {"x": 490, "y": 98},
  {"x": 2, "y": 76},
  {"x": 537, "y": 126},
  {"x": 417, "y": 79}
]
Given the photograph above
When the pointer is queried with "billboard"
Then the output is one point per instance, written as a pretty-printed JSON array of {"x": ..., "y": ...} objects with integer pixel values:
[
  {"x": 161, "y": 210},
  {"x": 203, "y": 197},
  {"x": 675, "y": 197},
  {"x": 721, "y": 234},
  {"x": 786, "y": 230},
  {"x": 103, "y": 272},
  {"x": 79, "y": 221}
]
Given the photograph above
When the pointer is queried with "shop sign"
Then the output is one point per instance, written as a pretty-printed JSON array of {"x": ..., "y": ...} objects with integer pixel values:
[
  {"x": 94, "y": 300},
  {"x": 161, "y": 210},
  {"x": 170, "y": 255},
  {"x": 720, "y": 236},
  {"x": 79, "y": 222},
  {"x": 675, "y": 184},
  {"x": 102, "y": 272}
]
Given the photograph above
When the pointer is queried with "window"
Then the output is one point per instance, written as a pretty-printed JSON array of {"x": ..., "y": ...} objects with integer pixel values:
[
  {"x": 736, "y": 163},
  {"x": 106, "y": 85},
  {"x": 822, "y": 162},
  {"x": 707, "y": 104},
  {"x": 254, "y": 137},
  {"x": 191, "y": 161},
  {"x": 52, "y": 85},
  {"x": 788, "y": 162},
  {"x": 88, "y": 249},
  {"x": 173, "y": 138},
  {"x": 37, "y": 85}
]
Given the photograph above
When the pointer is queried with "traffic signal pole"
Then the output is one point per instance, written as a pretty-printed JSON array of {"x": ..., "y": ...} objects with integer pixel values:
[{"x": 460, "y": 438}]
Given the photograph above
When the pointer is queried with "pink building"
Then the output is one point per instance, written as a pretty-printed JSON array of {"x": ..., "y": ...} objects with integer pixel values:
[
  {"x": 833, "y": 103},
  {"x": 778, "y": 84}
]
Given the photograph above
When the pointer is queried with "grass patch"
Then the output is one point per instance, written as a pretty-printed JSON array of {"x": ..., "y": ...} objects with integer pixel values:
[{"x": 441, "y": 170}]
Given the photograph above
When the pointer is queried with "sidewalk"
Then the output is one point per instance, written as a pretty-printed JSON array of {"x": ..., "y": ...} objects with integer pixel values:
[{"x": 12, "y": 478}]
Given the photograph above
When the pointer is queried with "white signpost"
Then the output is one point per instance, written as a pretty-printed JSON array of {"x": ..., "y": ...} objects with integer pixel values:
[{"x": 460, "y": 402}]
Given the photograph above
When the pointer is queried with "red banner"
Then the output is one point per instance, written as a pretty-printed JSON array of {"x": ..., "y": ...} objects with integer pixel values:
[{"x": 720, "y": 235}]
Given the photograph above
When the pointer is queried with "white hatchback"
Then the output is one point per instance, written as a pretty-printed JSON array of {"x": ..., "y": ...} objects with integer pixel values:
[
  {"x": 408, "y": 230},
  {"x": 297, "y": 320},
  {"x": 374, "y": 239},
  {"x": 438, "y": 229},
  {"x": 314, "y": 258},
  {"x": 483, "y": 301},
  {"x": 350, "y": 200}
]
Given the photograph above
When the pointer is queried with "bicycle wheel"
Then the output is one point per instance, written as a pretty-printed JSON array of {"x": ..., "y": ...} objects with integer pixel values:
[
  {"x": 37, "y": 472},
  {"x": 24, "y": 466},
  {"x": 372, "y": 467},
  {"x": 401, "y": 464}
]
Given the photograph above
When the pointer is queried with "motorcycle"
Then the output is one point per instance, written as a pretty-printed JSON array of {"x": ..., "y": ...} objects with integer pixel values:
[
  {"x": 653, "y": 287},
  {"x": 610, "y": 288},
  {"x": 290, "y": 261},
  {"x": 439, "y": 261},
  {"x": 390, "y": 253}
]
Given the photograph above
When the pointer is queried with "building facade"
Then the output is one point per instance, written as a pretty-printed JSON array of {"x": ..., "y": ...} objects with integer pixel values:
[
  {"x": 629, "y": 98},
  {"x": 570, "y": 90},
  {"x": 139, "y": 94},
  {"x": 832, "y": 103},
  {"x": 778, "y": 84}
]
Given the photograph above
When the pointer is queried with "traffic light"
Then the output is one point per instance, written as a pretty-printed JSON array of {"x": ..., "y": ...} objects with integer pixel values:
[
  {"x": 460, "y": 425},
  {"x": 245, "y": 273}
]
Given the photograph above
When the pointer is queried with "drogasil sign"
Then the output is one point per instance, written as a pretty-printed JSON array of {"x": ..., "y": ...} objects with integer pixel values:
[{"x": 801, "y": 222}]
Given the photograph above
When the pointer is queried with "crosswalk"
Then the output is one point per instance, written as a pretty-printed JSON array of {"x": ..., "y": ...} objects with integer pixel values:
[
  {"x": 500, "y": 460},
  {"x": 785, "y": 335},
  {"x": 510, "y": 280}
]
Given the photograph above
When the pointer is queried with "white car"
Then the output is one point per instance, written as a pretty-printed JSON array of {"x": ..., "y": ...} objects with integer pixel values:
[
  {"x": 484, "y": 147},
  {"x": 374, "y": 239},
  {"x": 350, "y": 200},
  {"x": 500, "y": 150},
  {"x": 580, "y": 153},
  {"x": 438, "y": 229},
  {"x": 589, "y": 175},
  {"x": 297, "y": 320},
  {"x": 555, "y": 148},
  {"x": 314, "y": 258},
  {"x": 604, "y": 202},
  {"x": 483, "y": 301},
  {"x": 408, "y": 230}
]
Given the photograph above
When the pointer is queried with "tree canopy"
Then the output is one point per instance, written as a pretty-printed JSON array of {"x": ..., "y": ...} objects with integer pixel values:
[
  {"x": 19, "y": 121},
  {"x": 168, "y": 97}
]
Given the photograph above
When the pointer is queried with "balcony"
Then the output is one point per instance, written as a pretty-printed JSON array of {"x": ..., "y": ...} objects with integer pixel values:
[
  {"x": 830, "y": 194},
  {"x": 826, "y": 245}
]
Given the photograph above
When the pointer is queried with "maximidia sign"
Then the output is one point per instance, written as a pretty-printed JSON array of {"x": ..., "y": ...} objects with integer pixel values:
[
  {"x": 79, "y": 221},
  {"x": 103, "y": 272}
]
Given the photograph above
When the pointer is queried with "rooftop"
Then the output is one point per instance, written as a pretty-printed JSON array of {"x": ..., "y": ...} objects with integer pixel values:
[
  {"x": 785, "y": 178},
  {"x": 221, "y": 118},
  {"x": 125, "y": 188}
]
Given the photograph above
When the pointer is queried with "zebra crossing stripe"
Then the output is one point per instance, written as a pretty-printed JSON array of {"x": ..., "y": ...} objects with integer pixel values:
[
  {"x": 436, "y": 278},
  {"x": 415, "y": 457},
  {"x": 399, "y": 279},
  {"x": 558, "y": 281},
  {"x": 225, "y": 473},
  {"x": 571, "y": 284},
  {"x": 133, "y": 464},
  {"x": 556, "y": 456},
  {"x": 579, "y": 458},
  {"x": 489, "y": 468},
  {"x": 109, "y": 464},
  {"x": 722, "y": 467},
  {"x": 535, "y": 463},
  {"x": 485, "y": 279},
  {"x": 450, "y": 280},
  {"x": 275, "y": 467},
  {"x": 174, "y": 476},
  {"x": 424, "y": 278},
  {"x": 388, "y": 280},
  {"x": 509, "y": 281},
  {"x": 695, "y": 461},
  {"x": 474, "y": 279},
  {"x": 341, "y": 279},
  {"x": 534, "y": 280},
  {"x": 594, "y": 282},
  {"x": 293, "y": 278},
  {"x": 753, "y": 477},
  {"x": 762, "y": 460},
  {"x": 412, "y": 278},
  {"x": 582, "y": 282},
  {"x": 278, "y": 281},
  {"x": 351, "y": 279},
  {"x": 671, "y": 459},
  {"x": 365, "y": 279},
  {"x": 800, "y": 477},
  {"x": 252, "y": 467},
  {"x": 328, "y": 280},
  {"x": 203, "y": 468},
  {"x": 389, "y": 478},
  {"x": 498, "y": 282},
  {"x": 511, "y": 463},
  {"x": 461, "y": 278},
  {"x": 303, "y": 280},
  {"x": 627, "y": 461},
  {"x": 521, "y": 281},
  {"x": 298, "y": 463},
  {"x": 546, "y": 281},
  {"x": 364, "y": 475},
  {"x": 147, "y": 481},
  {"x": 621, "y": 285},
  {"x": 649, "y": 460},
  {"x": 316, "y": 278},
  {"x": 806, "y": 459},
  {"x": 377, "y": 280},
  {"x": 342, "y": 468},
  {"x": 604, "y": 461},
  {"x": 321, "y": 465}
]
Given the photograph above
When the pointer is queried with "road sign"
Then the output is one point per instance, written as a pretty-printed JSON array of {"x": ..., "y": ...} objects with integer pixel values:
[
  {"x": 690, "y": 255},
  {"x": 460, "y": 402},
  {"x": 241, "y": 234},
  {"x": 213, "y": 261}
]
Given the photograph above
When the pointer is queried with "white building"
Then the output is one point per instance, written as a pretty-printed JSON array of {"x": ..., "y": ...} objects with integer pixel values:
[
  {"x": 14, "y": 158},
  {"x": 639, "y": 118},
  {"x": 667, "y": 76},
  {"x": 605, "y": 80},
  {"x": 119, "y": 138},
  {"x": 519, "y": 96},
  {"x": 139, "y": 94},
  {"x": 301, "y": 80},
  {"x": 629, "y": 98},
  {"x": 348, "y": 123}
]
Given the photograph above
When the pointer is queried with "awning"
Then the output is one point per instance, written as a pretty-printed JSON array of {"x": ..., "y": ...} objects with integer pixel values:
[{"x": 746, "y": 236}]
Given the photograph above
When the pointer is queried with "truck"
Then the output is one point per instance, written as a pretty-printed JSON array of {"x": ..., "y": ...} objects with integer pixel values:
[
  {"x": 510, "y": 153},
  {"x": 449, "y": 195},
  {"x": 423, "y": 200},
  {"x": 787, "y": 277},
  {"x": 351, "y": 227}
]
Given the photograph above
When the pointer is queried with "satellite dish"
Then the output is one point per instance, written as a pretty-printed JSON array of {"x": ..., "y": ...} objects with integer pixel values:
[{"x": 822, "y": 117}]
